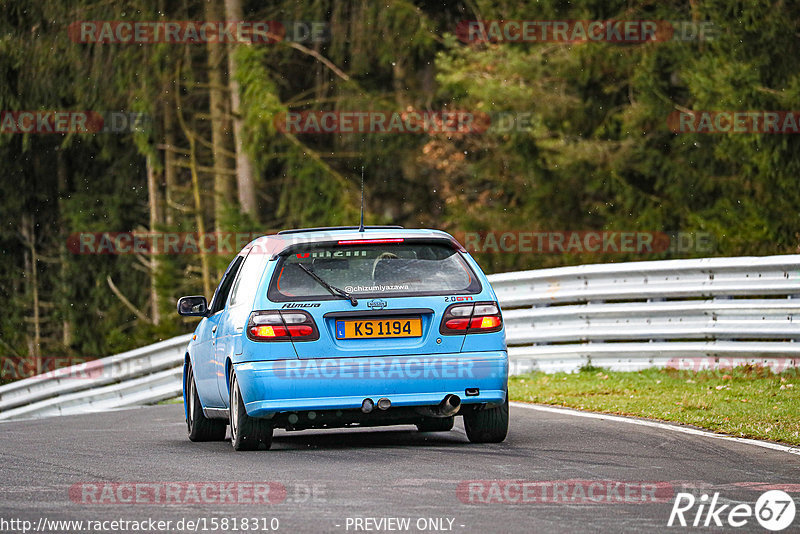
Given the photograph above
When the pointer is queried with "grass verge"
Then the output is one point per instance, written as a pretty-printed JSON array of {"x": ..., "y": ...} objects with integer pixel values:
[
  {"x": 748, "y": 401},
  {"x": 176, "y": 400}
]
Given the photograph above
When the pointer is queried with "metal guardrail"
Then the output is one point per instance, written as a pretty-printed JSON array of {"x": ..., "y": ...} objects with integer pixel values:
[
  {"x": 685, "y": 313},
  {"x": 129, "y": 378},
  {"x": 147, "y": 389}
]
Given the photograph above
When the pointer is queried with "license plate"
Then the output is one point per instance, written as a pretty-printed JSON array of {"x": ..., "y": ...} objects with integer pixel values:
[{"x": 374, "y": 328}]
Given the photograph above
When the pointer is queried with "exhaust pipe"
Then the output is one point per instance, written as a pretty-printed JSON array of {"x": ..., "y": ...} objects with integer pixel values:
[
  {"x": 449, "y": 406},
  {"x": 384, "y": 404},
  {"x": 367, "y": 405}
]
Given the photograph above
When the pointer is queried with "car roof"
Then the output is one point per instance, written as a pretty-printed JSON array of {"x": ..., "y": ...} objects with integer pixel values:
[{"x": 274, "y": 244}]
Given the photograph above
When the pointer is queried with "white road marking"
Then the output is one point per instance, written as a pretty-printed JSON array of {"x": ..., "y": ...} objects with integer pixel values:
[{"x": 661, "y": 426}]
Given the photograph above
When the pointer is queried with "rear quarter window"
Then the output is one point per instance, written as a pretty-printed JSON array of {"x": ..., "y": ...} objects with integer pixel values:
[
  {"x": 244, "y": 288},
  {"x": 388, "y": 270}
]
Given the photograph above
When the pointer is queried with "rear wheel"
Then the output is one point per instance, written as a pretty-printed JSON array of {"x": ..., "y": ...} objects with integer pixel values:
[
  {"x": 487, "y": 425},
  {"x": 436, "y": 424},
  {"x": 247, "y": 433},
  {"x": 200, "y": 427}
]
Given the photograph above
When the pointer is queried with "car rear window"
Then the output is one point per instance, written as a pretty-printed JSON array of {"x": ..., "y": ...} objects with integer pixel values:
[{"x": 389, "y": 270}]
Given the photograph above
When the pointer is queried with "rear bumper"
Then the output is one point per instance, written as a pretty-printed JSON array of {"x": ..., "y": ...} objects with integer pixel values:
[{"x": 343, "y": 383}]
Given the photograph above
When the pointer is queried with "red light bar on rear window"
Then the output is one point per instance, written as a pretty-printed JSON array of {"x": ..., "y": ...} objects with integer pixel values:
[{"x": 370, "y": 241}]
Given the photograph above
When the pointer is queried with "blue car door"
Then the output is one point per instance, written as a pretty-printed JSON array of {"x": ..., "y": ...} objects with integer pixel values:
[
  {"x": 233, "y": 319},
  {"x": 202, "y": 362}
]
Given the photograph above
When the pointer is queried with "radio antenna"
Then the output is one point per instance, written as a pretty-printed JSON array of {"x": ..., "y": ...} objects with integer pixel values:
[{"x": 361, "y": 226}]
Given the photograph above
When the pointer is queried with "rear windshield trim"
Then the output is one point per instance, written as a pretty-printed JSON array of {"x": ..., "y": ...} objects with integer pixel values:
[{"x": 443, "y": 241}]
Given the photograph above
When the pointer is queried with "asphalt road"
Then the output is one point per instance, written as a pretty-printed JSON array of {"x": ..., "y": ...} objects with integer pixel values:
[{"x": 326, "y": 481}]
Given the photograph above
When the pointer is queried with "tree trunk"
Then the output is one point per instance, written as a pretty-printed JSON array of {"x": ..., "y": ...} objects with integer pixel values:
[
  {"x": 153, "y": 200},
  {"x": 244, "y": 167},
  {"x": 223, "y": 185},
  {"x": 170, "y": 176},
  {"x": 198, "y": 204},
  {"x": 201, "y": 229},
  {"x": 63, "y": 257},
  {"x": 28, "y": 231}
]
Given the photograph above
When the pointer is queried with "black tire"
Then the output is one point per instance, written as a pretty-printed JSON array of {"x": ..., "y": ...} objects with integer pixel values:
[
  {"x": 247, "y": 433},
  {"x": 436, "y": 424},
  {"x": 200, "y": 427},
  {"x": 487, "y": 425}
]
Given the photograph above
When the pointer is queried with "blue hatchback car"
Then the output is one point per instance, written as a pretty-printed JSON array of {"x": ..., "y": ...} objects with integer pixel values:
[{"x": 337, "y": 327}]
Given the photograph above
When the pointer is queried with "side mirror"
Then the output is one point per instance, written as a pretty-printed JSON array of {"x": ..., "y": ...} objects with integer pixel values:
[{"x": 196, "y": 306}]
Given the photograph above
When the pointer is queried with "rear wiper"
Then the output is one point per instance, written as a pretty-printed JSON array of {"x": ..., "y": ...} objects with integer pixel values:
[{"x": 335, "y": 291}]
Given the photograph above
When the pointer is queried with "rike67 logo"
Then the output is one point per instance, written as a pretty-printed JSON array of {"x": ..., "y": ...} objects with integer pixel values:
[{"x": 774, "y": 510}]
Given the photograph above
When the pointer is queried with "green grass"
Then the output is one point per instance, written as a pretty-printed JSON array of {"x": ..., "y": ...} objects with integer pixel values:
[
  {"x": 747, "y": 401},
  {"x": 176, "y": 400}
]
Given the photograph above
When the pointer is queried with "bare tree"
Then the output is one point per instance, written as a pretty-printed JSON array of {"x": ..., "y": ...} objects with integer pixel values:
[
  {"x": 223, "y": 184},
  {"x": 244, "y": 167},
  {"x": 153, "y": 203}
]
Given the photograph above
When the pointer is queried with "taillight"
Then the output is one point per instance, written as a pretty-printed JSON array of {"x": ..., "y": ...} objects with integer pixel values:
[
  {"x": 478, "y": 318},
  {"x": 295, "y": 325}
]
